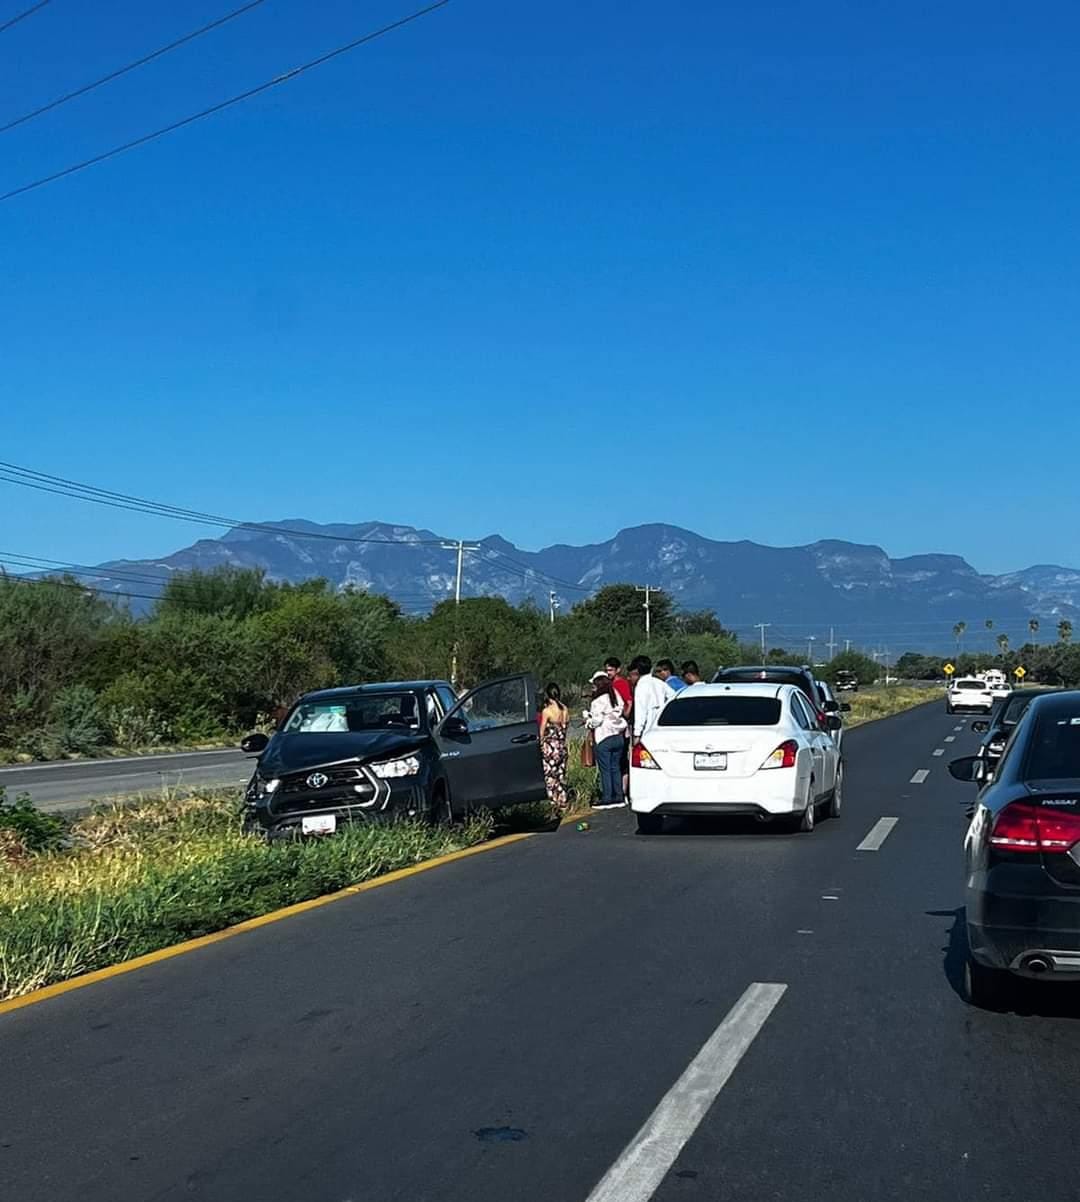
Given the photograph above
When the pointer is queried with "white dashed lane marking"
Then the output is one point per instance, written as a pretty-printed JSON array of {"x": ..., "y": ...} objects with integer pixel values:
[
  {"x": 950, "y": 738},
  {"x": 647, "y": 1158},
  {"x": 958, "y": 727},
  {"x": 940, "y": 751},
  {"x": 877, "y": 834},
  {"x": 920, "y": 776}
]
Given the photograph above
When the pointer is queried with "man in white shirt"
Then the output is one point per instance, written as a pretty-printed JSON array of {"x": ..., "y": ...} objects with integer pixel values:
[{"x": 650, "y": 696}]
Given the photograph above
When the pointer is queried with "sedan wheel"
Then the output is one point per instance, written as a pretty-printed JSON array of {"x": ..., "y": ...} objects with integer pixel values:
[
  {"x": 650, "y": 824},
  {"x": 985, "y": 988},
  {"x": 837, "y": 799},
  {"x": 808, "y": 816}
]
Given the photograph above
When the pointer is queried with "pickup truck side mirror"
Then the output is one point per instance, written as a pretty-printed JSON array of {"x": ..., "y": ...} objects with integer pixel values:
[
  {"x": 831, "y": 707},
  {"x": 833, "y": 722},
  {"x": 845, "y": 708},
  {"x": 455, "y": 726},
  {"x": 254, "y": 744}
]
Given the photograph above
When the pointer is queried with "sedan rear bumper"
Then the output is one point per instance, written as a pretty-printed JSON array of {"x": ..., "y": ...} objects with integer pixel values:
[
  {"x": 775, "y": 792},
  {"x": 1017, "y": 929}
]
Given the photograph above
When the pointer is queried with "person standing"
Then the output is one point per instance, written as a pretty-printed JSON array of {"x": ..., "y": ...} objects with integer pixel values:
[
  {"x": 650, "y": 696},
  {"x": 690, "y": 673},
  {"x": 604, "y": 718},
  {"x": 665, "y": 671},
  {"x": 554, "y": 722},
  {"x": 625, "y": 694}
]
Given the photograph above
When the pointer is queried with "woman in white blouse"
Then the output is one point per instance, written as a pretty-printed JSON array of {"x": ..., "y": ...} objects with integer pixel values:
[{"x": 604, "y": 718}]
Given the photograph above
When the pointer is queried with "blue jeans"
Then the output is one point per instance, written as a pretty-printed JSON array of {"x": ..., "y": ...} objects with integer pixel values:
[{"x": 609, "y": 753}]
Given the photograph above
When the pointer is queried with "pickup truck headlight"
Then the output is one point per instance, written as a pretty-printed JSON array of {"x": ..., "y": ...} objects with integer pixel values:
[{"x": 408, "y": 765}]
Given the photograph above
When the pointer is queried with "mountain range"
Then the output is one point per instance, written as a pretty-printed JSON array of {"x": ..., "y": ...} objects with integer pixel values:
[{"x": 855, "y": 591}]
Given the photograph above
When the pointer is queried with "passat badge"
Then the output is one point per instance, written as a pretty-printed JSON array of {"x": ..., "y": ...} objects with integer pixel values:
[{"x": 317, "y": 779}]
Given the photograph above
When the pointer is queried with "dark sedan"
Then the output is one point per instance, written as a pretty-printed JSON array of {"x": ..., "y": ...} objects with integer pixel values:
[
  {"x": 405, "y": 749},
  {"x": 1022, "y": 854}
]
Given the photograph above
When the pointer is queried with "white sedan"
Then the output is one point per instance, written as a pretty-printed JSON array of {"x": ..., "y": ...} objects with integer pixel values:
[{"x": 737, "y": 749}]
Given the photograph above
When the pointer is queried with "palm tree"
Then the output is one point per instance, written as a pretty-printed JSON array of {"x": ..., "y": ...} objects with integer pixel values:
[
  {"x": 1033, "y": 630},
  {"x": 1065, "y": 630},
  {"x": 959, "y": 630},
  {"x": 1003, "y": 644}
]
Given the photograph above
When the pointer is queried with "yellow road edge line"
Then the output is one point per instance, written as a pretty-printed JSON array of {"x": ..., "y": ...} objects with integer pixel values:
[{"x": 251, "y": 924}]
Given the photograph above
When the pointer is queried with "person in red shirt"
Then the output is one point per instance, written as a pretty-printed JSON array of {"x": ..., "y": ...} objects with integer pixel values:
[{"x": 624, "y": 691}]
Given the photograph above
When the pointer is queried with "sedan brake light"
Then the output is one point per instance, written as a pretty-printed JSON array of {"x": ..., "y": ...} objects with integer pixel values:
[
  {"x": 784, "y": 756},
  {"x": 640, "y": 758},
  {"x": 1022, "y": 826}
]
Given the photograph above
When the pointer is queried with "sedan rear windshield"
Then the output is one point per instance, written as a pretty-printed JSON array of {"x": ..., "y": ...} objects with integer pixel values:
[
  {"x": 1054, "y": 751},
  {"x": 379, "y": 711},
  {"x": 972, "y": 684},
  {"x": 721, "y": 711}
]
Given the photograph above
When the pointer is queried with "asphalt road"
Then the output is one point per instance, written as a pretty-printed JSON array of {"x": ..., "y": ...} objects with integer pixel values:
[
  {"x": 784, "y": 1007},
  {"x": 73, "y": 784}
]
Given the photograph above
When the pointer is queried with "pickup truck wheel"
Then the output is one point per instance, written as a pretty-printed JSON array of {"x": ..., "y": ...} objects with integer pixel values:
[{"x": 440, "y": 809}]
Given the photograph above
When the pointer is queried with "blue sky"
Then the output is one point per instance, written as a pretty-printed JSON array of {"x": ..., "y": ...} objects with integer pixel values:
[{"x": 549, "y": 270}]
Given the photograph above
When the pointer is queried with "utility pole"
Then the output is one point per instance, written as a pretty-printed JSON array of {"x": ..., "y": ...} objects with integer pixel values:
[
  {"x": 762, "y": 626},
  {"x": 847, "y": 644},
  {"x": 648, "y": 590},
  {"x": 460, "y": 547},
  {"x": 810, "y": 641},
  {"x": 831, "y": 644},
  {"x": 553, "y": 605}
]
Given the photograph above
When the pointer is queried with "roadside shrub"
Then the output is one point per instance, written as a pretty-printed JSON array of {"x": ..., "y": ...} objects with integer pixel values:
[
  {"x": 34, "y": 829},
  {"x": 75, "y": 720}
]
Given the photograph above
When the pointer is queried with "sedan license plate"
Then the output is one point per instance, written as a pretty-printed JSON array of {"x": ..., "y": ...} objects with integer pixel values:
[
  {"x": 319, "y": 824},
  {"x": 710, "y": 760}
]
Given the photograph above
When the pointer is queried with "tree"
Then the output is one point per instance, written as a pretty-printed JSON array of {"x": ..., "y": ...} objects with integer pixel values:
[
  {"x": 224, "y": 592},
  {"x": 989, "y": 624},
  {"x": 702, "y": 621},
  {"x": 1003, "y": 644},
  {"x": 1033, "y": 629},
  {"x": 622, "y": 607},
  {"x": 959, "y": 631},
  {"x": 1065, "y": 630}
]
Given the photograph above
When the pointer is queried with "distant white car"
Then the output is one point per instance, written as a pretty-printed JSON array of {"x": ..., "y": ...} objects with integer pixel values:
[
  {"x": 737, "y": 749},
  {"x": 969, "y": 693}
]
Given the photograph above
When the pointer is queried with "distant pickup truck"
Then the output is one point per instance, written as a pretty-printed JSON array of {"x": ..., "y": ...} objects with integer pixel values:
[{"x": 847, "y": 682}]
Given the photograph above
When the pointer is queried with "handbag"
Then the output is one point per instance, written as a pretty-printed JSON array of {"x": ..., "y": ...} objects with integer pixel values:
[{"x": 588, "y": 750}]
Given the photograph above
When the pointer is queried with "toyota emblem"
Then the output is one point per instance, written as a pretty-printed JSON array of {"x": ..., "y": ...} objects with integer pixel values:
[{"x": 317, "y": 779}]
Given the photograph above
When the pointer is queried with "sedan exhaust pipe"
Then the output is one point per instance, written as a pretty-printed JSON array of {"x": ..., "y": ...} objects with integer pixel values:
[{"x": 1038, "y": 965}]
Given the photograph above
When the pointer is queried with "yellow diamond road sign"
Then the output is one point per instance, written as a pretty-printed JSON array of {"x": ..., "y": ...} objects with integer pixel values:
[
  {"x": 948, "y": 669},
  {"x": 1019, "y": 672}
]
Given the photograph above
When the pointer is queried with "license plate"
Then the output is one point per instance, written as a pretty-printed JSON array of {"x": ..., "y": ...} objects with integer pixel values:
[
  {"x": 319, "y": 824},
  {"x": 714, "y": 760}
]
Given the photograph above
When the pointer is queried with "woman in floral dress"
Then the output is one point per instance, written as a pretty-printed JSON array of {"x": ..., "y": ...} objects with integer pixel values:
[{"x": 554, "y": 721}]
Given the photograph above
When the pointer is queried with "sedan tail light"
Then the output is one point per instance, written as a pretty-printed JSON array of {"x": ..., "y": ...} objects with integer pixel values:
[
  {"x": 1022, "y": 826},
  {"x": 640, "y": 758},
  {"x": 784, "y": 756}
]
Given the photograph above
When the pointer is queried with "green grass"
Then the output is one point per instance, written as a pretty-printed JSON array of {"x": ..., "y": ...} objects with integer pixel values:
[
  {"x": 869, "y": 704},
  {"x": 138, "y": 878}
]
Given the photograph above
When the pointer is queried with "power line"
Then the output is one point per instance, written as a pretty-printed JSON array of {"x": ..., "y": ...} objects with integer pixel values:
[
  {"x": 11, "y": 473},
  {"x": 286, "y": 77},
  {"x": 139, "y": 62},
  {"x": 23, "y": 15}
]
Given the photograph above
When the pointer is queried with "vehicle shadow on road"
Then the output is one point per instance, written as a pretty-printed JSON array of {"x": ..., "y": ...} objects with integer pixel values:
[
  {"x": 1025, "y": 997},
  {"x": 730, "y": 826}
]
